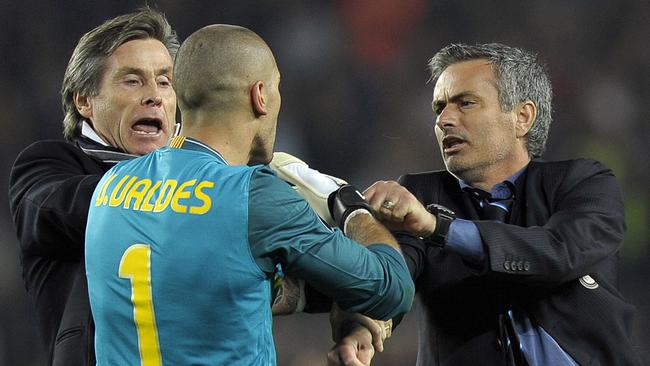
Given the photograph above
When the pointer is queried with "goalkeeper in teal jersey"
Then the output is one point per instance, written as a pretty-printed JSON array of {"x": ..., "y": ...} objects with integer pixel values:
[{"x": 182, "y": 243}]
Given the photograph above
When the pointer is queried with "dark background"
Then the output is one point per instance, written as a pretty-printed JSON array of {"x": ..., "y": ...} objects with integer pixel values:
[{"x": 356, "y": 104}]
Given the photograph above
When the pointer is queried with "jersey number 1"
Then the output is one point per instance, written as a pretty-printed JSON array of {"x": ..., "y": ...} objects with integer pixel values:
[{"x": 136, "y": 266}]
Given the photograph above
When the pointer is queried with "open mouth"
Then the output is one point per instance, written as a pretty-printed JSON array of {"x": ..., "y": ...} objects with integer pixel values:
[
  {"x": 452, "y": 144},
  {"x": 147, "y": 126}
]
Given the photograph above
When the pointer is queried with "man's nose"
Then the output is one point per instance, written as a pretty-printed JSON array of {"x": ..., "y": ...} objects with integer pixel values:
[
  {"x": 151, "y": 95},
  {"x": 447, "y": 118},
  {"x": 154, "y": 100}
]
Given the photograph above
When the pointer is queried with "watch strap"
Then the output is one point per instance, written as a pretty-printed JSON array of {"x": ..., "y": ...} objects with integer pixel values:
[{"x": 444, "y": 217}]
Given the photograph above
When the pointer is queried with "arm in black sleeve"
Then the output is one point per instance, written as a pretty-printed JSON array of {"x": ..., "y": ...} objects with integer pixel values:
[
  {"x": 50, "y": 189},
  {"x": 580, "y": 226},
  {"x": 414, "y": 251}
]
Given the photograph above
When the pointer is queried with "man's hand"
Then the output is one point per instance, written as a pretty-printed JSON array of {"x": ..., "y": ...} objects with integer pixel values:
[
  {"x": 290, "y": 297},
  {"x": 355, "y": 349},
  {"x": 343, "y": 323},
  {"x": 398, "y": 209}
]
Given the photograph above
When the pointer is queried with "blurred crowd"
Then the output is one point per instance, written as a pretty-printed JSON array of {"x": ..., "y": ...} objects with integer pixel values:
[{"x": 356, "y": 104}]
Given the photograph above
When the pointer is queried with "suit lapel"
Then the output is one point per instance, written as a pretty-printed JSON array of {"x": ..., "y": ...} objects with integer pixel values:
[
  {"x": 518, "y": 209},
  {"x": 454, "y": 197}
]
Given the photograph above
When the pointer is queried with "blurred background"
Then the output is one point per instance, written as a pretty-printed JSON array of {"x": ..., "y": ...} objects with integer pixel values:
[{"x": 356, "y": 104}]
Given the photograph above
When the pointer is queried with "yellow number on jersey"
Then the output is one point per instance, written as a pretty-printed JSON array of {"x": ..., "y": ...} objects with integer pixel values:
[{"x": 136, "y": 266}]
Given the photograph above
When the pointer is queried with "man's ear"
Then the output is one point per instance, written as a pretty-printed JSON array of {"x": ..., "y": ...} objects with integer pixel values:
[
  {"x": 258, "y": 99},
  {"x": 526, "y": 116},
  {"x": 84, "y": 105}
]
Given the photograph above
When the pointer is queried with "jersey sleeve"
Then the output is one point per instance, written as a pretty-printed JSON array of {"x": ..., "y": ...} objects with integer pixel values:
[{"x": 283, "y": 229}]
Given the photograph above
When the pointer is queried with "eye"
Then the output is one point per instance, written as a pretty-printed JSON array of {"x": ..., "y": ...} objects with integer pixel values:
[
  {"x": 163, "y": 81},
  {"x": 437, "y": 109},
  {"x": 132, "y": 81},
  {"x": 466, "y": 103}
]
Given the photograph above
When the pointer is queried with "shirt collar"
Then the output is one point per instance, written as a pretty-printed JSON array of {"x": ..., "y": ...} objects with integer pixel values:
[
  {"x": 90, "y": 133},
  {"x": 501, "y": 190},
  {"x": 188, "y": 143},
  {"x": 93, "y": 145}
]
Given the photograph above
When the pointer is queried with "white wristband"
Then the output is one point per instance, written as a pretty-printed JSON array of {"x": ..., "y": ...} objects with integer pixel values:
[{"x": 352, "y": 214}]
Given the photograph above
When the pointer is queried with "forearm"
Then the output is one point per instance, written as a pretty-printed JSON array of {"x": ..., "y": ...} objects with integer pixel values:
[
  {"x": 284, "y": 229},
  {"x": 365, "y": 230},
  {"x": 385, "y": 292}
]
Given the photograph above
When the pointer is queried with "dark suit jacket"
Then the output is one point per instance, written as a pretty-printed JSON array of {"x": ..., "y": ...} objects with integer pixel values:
[
  {"x": 50, "y": 189},
  {"x": 566, "y": 222}
]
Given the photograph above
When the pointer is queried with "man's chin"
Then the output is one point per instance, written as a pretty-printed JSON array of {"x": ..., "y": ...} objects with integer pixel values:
[
  {"x": 144, "y": 145},
  {"x": 456, "y": 167},
  {"x": 454, "y": 164}
]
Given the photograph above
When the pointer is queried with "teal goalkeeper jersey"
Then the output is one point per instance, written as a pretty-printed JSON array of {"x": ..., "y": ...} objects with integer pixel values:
[{"x": 180, "y": 253}]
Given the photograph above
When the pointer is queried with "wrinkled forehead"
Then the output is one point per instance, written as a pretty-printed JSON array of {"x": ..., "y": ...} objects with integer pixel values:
[
  {"x": 149, "y": 53},
  {"x": 466, "y": 76}
]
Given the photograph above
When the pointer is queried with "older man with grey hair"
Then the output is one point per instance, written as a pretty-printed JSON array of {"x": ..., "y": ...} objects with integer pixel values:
[
  {"x": 515, "y": 259},
  {"x": 118, "y": 103}
]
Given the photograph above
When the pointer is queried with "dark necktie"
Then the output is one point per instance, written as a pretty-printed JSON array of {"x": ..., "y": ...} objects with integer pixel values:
[
  {"x": 497, "y": 209},
  {"x": 490, "y": 208}
]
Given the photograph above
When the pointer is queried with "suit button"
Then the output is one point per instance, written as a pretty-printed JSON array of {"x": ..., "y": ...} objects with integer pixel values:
[
  {"x": 520, "y": 265},
  {"x": 526, "y": 265},
  {"x": 506, "y": 265}
]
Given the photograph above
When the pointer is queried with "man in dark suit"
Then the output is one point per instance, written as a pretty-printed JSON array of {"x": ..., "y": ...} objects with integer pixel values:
[
  {"x": 118, "y": 103},
  {"x": 515, "y": 259}
]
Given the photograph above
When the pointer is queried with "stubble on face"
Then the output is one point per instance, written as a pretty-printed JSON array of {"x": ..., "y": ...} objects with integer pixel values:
[
  {"x": 477, "y": 139},
  {"x": 485, "y": 155}
]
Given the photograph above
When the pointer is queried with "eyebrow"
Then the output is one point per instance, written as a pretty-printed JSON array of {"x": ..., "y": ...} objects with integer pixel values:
[
  {"x": 454, "y": 98},
  {"x": 138, "y": 71}
]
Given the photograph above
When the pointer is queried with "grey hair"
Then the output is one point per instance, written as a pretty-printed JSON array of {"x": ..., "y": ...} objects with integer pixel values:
[
  {"x": 520, "y": 77},
  {"x": 88, "y": 61}
]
